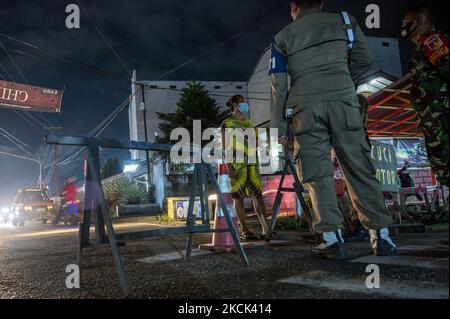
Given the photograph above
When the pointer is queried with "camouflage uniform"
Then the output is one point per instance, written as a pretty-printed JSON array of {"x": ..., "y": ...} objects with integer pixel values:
[{"x": 429, "y": 95}]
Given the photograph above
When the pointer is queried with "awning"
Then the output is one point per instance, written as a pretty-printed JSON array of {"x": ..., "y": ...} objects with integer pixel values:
[{"x": 390, "y": 112}]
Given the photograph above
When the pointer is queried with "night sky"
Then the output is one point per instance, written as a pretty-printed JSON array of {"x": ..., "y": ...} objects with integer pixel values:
[{"x": 151, "y": 36}]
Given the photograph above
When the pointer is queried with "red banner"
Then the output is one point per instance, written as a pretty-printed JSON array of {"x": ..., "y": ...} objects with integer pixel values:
[{"x": 30, "y": 98}]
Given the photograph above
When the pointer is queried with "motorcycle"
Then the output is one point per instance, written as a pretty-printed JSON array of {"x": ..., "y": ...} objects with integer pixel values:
[{"x": 69, "y": 213}]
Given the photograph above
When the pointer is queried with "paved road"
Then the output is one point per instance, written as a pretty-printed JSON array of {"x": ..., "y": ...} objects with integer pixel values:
[{"x": 33, "y": 261}]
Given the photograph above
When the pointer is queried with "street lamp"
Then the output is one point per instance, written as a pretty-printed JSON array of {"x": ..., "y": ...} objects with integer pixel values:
[{"x": 28, "y": 159}]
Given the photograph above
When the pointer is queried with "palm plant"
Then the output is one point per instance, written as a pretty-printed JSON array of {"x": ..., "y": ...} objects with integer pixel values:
[{"x": 125, "y": 192}]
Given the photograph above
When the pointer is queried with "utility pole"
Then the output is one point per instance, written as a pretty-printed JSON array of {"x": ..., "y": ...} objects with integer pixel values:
[
  {"x": 143, "y": 108},
  {"x": 53, "y": 130}
]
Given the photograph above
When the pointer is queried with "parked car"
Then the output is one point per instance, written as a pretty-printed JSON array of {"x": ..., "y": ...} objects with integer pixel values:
[{"x": 32, "y": 204}]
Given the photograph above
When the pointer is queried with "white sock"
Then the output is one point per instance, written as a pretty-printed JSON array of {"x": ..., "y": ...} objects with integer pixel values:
[
  {"x": 331, "y": 238},
  {"x": 384, "y": 232}
]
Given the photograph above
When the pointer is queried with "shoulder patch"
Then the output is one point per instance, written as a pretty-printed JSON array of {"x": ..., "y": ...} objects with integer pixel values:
[
  {"x": 278, "y": 62},
  {"x": 435, "y": 47}
]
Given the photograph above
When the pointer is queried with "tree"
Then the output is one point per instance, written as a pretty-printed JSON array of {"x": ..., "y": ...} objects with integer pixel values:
[
  {"x": 111, "y": 168},
  {"x": 194, "y": 104}
]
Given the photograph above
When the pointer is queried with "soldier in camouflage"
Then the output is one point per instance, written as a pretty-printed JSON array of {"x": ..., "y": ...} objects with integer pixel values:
[{"x": 429, "y": 93}]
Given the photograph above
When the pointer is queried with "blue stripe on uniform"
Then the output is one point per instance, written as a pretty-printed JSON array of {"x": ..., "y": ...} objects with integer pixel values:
[{"x": 349, "y": 30}]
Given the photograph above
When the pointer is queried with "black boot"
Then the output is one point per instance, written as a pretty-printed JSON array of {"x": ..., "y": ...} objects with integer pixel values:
[
  {"x": 382, "y": 244},
  {"x": 331, "y": 248}
]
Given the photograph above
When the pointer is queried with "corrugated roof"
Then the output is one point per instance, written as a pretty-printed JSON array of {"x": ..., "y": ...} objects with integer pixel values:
[{"x": 390, "y": 112}]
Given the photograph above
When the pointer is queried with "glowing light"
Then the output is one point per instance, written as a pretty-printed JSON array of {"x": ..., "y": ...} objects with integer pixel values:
[
  {"x": 130, "y": 168},
  {"x": 70, "y": 230},
  {"x": 402, "y": 154}
]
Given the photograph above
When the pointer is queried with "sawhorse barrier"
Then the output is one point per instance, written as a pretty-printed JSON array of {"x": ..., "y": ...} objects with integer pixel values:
[
  {"x": 95, "y": 204},
  {"x": 289, "y": 168},
  {"x": 297, "y": 188}
]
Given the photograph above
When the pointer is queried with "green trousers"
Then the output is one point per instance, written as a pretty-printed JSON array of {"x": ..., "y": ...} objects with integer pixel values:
[{"x": 318, "y": 127}]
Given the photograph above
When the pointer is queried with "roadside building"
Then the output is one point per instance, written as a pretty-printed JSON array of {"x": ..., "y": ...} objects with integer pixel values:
[{"x": 162, "y": 97}]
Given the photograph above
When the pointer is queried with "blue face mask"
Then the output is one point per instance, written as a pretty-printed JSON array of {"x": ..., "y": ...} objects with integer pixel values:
[{"x": 244, "y": 107}]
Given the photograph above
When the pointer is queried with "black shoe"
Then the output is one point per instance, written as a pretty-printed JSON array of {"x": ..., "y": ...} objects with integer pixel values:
[
  {"x": 335, "y": 251},
  {"x": 248, "y": 236},
  {"x": 274, "y": 236},
  {"x": 384, "y": 248}
]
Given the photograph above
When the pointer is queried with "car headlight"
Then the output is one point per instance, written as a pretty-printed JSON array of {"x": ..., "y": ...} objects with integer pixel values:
[
  {"x": 28, "y": 208},
  {"x": 49, "y": 207}
]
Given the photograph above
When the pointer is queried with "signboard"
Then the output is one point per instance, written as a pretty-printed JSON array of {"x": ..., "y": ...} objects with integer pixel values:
[
  {"x": 182, "y": 207},
  {"x": 412, "y": 150},
  {"x": 177, "y": 207},
  {"x": 30, "y": 98},
  {"x": 385, "y": 162}
]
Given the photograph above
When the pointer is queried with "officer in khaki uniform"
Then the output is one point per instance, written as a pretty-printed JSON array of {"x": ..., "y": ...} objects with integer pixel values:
[{"x": 316, "y": 62}]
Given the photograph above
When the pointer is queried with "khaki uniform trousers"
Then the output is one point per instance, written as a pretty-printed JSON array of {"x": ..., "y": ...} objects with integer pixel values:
[{"x": 318, "y": 126}]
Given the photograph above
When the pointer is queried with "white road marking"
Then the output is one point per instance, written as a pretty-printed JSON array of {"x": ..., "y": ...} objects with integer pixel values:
[
  {"x": 272, "y": 242},
  {"x": 412, "y": 248},
  {"x": 388, "y": 288},
  {"x": 419, "y": 262},
  {"x": 177, "y": 255}
]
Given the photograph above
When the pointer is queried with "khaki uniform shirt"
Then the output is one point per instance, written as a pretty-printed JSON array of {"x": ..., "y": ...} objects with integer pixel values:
[{"x": 315, "y": 47}]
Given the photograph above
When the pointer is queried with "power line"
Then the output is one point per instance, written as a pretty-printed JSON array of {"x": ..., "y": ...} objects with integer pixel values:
[
  {"x": 15, "y": 143},
  {"x": 15, "y": 138},
  {"x": 26, "y": 120},
  {"x": 234, "y": 37},
  {"x": 33, "y": 118},
  {"x": 48, "y": 176},
  {"x": 15, "y": 111},
  {"x": 116, "y": 76},
  {"x": 108, "y": 43},
  {"x": 117, "y": 112},
  {"x": 5, "y": 70},
  {"x": 13, "y": 62},
  {"x": 23, "y": 77},
  {"x": 66, "y": 59},
  {"x": 11, "y": 137},
  {"x": 101, "y": 127},
  {"x": 220, "y": 95},
  {"x": 26, "y": 113}
]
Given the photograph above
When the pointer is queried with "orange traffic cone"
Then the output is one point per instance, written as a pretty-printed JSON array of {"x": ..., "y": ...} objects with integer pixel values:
[{"x": 222, "y": 241}]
